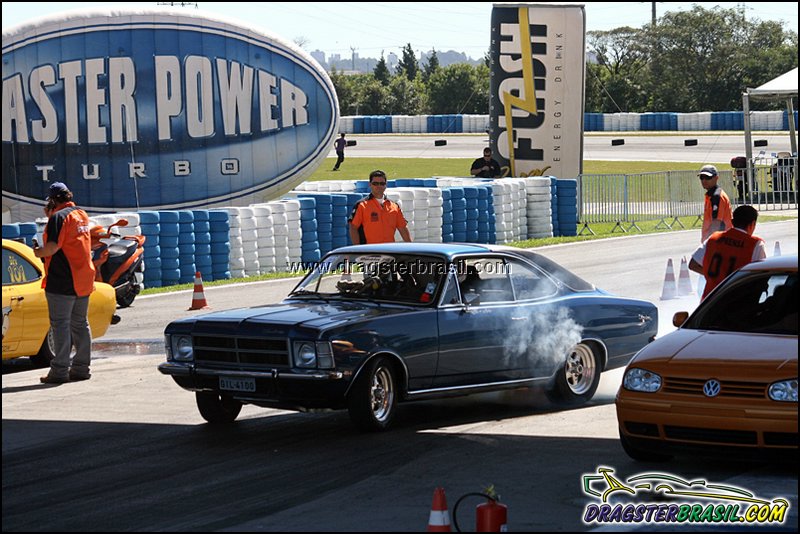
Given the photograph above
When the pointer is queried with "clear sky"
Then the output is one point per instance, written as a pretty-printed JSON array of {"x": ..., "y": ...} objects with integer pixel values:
[{"x": 374, "y": 27}]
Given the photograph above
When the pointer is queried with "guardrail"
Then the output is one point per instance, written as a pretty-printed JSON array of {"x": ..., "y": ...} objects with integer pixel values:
[{"x": 626, "y": 199}]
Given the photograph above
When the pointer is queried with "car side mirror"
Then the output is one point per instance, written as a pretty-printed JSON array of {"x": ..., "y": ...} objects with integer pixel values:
[{"x": 679, "y": 318}]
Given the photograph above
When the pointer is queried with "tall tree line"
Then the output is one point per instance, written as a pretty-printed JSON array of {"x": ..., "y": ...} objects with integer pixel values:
[{"x": 689, "y": 61}]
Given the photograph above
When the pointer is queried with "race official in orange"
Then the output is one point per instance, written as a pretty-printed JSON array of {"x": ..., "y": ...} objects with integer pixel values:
[
  {"x": 68, "y": 282},
  {"x": 725, "y": 252},
  {"x": 376, "y": 218},
  {"x": 717, "y": 205}
]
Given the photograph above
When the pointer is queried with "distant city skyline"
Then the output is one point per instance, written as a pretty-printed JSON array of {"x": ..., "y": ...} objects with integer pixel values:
[{"x": 347, "y": 28}]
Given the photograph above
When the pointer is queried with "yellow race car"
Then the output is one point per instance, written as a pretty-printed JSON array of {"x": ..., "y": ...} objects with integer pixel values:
[{"x": 26, "y": 324}]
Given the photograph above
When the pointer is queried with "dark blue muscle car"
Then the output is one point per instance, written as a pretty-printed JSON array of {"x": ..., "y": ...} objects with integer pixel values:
[{"x": 374, "y": 325}]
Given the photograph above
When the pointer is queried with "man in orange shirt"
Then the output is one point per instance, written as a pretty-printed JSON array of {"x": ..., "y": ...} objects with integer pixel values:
[
  {"x": 717, "y": 208},
  {"x": 375, "y": 218},
  {"x": 68, "y": 282},
  {"x": 725, "y": 252}
]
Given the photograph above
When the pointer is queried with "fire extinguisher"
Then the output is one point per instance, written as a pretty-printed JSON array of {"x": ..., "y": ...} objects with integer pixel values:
[{"x": 490, "y": 516}]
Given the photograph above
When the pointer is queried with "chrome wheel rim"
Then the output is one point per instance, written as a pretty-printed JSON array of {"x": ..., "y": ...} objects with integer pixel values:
[
  {"x": 381, "y": 394},
  {"x": 580, "y": 369}
]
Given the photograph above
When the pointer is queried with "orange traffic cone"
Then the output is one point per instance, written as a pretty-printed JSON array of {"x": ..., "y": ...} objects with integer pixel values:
[
  {"x": 670, "y": 289},
  {"x": 440, "y": 518},
  {"x": 198, "y": 297},
  {"x": 777, "y": 250},
  {"x": 684, "y": 282}
]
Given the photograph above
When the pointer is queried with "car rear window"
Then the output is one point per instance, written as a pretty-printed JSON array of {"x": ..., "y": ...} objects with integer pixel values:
[{"x": 572, "y": 281}]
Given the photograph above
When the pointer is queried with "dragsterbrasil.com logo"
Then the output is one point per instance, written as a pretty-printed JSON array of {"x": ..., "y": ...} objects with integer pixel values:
[{"x": 645, "y": 498}]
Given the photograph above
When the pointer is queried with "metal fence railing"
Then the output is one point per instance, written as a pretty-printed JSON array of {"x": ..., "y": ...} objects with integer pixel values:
[{"x": 626, "y": 199}]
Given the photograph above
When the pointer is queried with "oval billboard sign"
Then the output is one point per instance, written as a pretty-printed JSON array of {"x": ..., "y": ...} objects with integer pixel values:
[{"x": 159, "y": 110}]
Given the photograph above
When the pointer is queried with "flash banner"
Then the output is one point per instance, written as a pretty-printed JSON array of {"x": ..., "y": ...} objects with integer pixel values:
[{"x": 537, "y": 89}]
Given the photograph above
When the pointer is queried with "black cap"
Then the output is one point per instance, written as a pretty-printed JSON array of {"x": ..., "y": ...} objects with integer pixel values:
[{"x": 56, "y": 189}]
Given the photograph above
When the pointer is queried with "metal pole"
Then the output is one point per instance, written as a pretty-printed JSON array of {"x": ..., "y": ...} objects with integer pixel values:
[{"x": 748, "y": 146}]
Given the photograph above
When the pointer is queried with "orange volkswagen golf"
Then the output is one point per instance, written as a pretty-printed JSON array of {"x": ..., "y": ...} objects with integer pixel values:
[{"x": 726, "y": 379}]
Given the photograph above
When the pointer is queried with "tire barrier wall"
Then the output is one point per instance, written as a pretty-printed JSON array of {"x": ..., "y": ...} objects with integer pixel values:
[
  {"x": 287, "y": 234},
  {"x": 592, "y": 122}
]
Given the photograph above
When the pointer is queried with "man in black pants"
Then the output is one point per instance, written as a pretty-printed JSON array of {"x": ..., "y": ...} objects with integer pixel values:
[{"x": 339, "y": 145}]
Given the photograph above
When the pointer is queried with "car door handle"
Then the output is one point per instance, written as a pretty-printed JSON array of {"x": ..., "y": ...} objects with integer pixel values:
[
  {"x": 518, "y": 318},
  {"x": 18, "y": 298}
]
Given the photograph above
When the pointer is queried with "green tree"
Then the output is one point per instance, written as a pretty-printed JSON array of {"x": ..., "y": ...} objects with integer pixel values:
[
  {"x": 345, "y": 92},
  {"x": 459, "y": 88},
  {"x": 408, "y": 65},
  {"x": 381, "y": 71},
  {"x": 406, "y": 97},
  {"x": 697, "y": 60},
  {"x": 706, "y": 58},
  {"x": 431, "y": 66},
  {"x": 372, "y": 96},
  {"x": 614, "y": 82}
]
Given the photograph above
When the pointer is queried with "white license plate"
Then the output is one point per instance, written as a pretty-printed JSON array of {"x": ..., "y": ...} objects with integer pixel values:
[{"x": 237, "y": 384}]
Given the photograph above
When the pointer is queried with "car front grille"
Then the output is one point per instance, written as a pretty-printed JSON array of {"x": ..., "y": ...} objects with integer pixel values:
[
  {"x": 241, "y": 352},
  {"x": 735, "y": 437},
  {"x": 728, "y": 389}
]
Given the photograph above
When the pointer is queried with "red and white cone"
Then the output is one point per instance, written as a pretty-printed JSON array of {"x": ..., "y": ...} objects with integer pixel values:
[
  {"x": 198, "y": 297},
  {"x": 670, "y": 290},
  {"x": 439, "y": 520},
  {"x": 777, "y": 250},
  {"x": 684, "y": 282}
]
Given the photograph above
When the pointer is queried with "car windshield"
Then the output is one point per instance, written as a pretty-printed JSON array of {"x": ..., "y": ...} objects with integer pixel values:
[
  {"x": 751, "y": 302},
  {"x": 397, "y": 278}
]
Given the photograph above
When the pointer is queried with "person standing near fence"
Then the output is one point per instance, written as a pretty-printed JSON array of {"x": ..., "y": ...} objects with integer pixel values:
[
  {"x": 717, "y": 209},
  {"x": 725, "y": 252},
  {"x": 339, "y": 145}
]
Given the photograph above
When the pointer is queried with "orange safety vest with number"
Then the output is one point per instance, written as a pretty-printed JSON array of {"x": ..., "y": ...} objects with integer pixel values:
[{"x": 725, "y": 253}]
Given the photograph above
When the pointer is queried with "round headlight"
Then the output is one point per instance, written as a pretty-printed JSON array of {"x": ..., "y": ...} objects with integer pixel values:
[
  {"x": 785, "y": 391},
  {"x": 305, "y": 356},
  {"x": 182, "y": 348},
  {"x": 641, "y": 380}
]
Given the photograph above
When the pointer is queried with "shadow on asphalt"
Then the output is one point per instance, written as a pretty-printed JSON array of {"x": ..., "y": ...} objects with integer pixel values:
[{"x": 93, "y": 476}]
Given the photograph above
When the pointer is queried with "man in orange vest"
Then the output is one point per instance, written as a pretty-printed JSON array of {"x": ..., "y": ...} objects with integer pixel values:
[
  {"x": 725, "y": 252},
  {"x": 68, "y": 282},
  {"x": 717, "y": 205},
  {"x": 375, "y": 218}
]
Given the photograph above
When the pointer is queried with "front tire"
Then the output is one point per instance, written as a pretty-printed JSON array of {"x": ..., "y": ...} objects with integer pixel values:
[
  {"x": 372, "y": 402},
  {"x": 46, "y": 353},
  {"x": 577, "y": 379},
  {"x": 216, "y": 409}
]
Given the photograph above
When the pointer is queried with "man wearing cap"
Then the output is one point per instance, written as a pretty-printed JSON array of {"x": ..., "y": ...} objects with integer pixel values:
[
  {"x": 728, "y": 251},
  {"x": 717, "y": 210},
  {"x": 68, "y": 282}
]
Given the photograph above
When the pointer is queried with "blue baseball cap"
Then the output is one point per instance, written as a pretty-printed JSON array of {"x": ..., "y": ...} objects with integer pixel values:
[{"x": 56, "y": 188}]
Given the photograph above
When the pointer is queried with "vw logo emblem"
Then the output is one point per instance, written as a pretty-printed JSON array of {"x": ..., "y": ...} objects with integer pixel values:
[{"x": 711, "y": 388}]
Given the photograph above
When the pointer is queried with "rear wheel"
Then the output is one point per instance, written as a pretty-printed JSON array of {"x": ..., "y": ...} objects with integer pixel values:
[
  {"x": 372, "y": 402},
  {"x": 47, "y": 352},
  {"x": 126, "y": 294},
  {"x": 577, "y": 379},
  {"x": 216, "y": 409}
]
